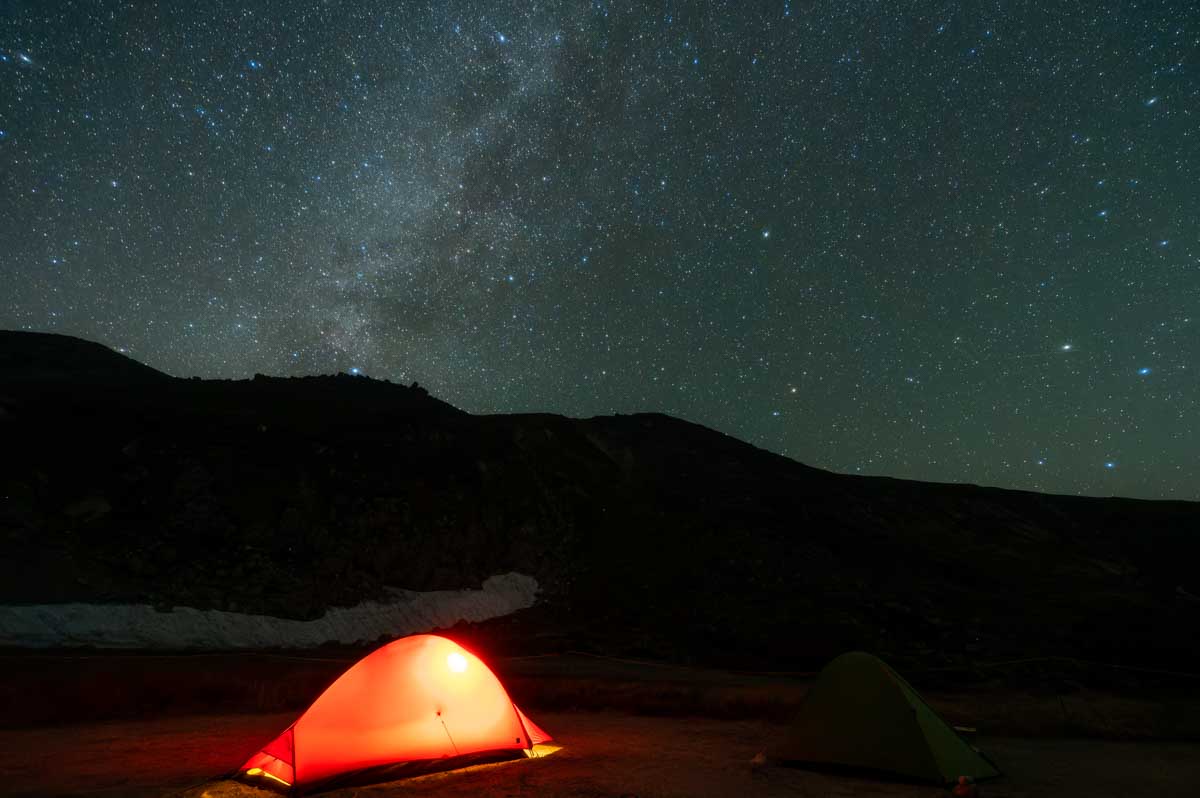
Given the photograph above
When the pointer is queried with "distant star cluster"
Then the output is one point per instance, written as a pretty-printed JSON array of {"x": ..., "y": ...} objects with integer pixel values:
[{"x": 953, "y": 242}]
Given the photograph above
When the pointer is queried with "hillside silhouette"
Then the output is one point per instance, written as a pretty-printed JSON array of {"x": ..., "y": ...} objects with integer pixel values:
[{"x": 649, "y": 535}]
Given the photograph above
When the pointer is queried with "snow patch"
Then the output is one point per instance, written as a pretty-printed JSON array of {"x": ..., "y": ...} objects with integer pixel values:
[{"x": 142, "y": 626}]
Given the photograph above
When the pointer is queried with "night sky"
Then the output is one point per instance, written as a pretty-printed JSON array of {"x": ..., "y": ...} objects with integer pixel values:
[{"x": 957, "y": 244}]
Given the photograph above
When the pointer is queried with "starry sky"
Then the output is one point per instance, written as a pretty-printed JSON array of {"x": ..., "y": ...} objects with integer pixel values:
[{"x": 951, "y": 241}]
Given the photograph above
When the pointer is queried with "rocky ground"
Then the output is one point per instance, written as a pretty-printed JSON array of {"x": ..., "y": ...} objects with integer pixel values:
[{"x": 601, "y": 755}]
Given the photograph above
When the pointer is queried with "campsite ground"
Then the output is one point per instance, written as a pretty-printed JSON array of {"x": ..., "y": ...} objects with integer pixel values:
[
  {"x": 602, "y": 754},
  {"x": 124, "y": 725}
]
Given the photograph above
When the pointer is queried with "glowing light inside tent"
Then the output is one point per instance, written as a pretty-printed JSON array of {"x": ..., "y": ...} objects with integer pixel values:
[
  {"x": 265, "y": 774},
  {"x": 542, "y": 750},
  {"x": 431, "y": 700}
]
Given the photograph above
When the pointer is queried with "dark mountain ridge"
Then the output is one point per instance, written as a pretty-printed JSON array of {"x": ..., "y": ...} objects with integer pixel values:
[
  {"x": 648, "y": 534},
  {"x": 45, "y": 359}
]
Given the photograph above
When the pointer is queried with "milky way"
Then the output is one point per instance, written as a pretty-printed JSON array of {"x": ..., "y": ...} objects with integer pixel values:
[{"x": 955, "y": 244}]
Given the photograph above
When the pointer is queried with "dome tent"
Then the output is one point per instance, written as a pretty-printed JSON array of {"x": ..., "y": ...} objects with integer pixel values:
[
  {"x": 862, "y": 714},
  {"x": 417, "y": 699}
]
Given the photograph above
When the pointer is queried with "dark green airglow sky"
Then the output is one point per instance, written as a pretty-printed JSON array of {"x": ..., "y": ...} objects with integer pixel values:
[{"x": 954, "y": 244}]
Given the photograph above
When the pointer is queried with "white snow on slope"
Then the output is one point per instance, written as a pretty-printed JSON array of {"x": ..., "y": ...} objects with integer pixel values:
[{"x": 142, "y": 626}]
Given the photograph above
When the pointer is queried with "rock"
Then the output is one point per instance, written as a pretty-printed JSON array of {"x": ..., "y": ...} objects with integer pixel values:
[{"x": 89, "y": 508}]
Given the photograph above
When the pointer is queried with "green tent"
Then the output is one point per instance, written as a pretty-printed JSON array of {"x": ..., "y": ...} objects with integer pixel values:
[{"x": 862, "y": 714}]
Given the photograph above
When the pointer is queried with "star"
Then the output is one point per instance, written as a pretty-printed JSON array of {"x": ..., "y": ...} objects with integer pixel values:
[{"x": 393, "y": 185}]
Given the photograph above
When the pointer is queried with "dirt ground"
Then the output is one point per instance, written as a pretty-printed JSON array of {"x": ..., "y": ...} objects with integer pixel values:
[{"x": 602, "y": 754}]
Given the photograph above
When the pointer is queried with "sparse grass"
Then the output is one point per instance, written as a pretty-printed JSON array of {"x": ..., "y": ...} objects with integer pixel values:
[
  {"x": 1085, "y": 713},
  {"x": 659, "y": 699},
  {"x": 1091, "y": 714},
  {"x": 44, "y": 690},
  {"x": 39, "y": 690},
  {"x": 603, "y": 755}
]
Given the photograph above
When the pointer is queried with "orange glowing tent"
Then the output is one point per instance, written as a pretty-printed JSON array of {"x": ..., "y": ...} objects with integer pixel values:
[{"x": 420, "y": 699}]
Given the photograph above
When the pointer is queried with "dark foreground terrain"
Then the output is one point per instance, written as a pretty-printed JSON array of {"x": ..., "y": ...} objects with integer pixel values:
[
  {"x": 625, "y": 728},
  {"x": 1024, "y": 698},
  {"x": 650, "y": 536},
  {"x": 601, "y": 755}
]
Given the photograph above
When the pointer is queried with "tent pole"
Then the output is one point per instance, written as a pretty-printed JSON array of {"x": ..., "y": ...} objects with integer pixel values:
[{"x": 295, "y": 770}]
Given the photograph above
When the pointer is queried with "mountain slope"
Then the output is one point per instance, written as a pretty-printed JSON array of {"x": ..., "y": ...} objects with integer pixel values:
[
  {"x": 44, "y": 358},
  {"x": 647, "y": 533}
]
